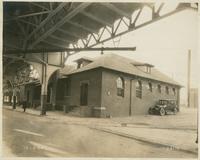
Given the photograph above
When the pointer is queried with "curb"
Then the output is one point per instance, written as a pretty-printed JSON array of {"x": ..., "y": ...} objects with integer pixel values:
[
  {"x": 142, "y": 139},
  {"x": 23, "y": 112}
]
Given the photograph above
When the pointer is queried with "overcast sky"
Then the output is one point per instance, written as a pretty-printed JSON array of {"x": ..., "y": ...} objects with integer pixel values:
[{"x": 164, "y": 44}]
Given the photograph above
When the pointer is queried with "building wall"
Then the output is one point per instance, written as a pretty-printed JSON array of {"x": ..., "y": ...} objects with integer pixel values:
[
  {"x": 120, "y": 106},
  {"x": 93, "y": 78},
  {"x": 114, "y": 105},
  {"x": 149, "y": 99},
  {"x": 60, "y": 93}
]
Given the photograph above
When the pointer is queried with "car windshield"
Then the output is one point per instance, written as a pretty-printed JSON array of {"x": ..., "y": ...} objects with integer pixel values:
[
  {"x": 165, "y": 102},
  {"x": 162, "y": 102},
  {"x": 173, "y": 102}
]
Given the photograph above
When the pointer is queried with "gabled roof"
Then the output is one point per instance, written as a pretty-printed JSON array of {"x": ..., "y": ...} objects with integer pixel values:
[
  {"x": 125, "y": 65},
  {"x": 84, "y": 59}
]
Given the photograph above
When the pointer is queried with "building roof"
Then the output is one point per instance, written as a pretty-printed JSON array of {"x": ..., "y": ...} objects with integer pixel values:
[
  {"x": 125, "y": 65},
  {"x": 67, "y": 69},
  {"x": 84, "y": 58}
]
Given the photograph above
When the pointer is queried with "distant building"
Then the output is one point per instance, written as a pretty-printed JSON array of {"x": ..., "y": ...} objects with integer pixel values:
[
  {"x": 193, "y": 97},
  {"x": 110, "y": 85}
]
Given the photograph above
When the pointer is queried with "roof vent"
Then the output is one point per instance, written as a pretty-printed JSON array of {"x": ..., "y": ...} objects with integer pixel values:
[
  {"x": 81, "y": 62},
  {"x": 145, "y": 67}
]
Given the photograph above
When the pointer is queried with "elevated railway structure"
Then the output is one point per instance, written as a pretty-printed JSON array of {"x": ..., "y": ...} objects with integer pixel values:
[{"x": 45, "y": 34}]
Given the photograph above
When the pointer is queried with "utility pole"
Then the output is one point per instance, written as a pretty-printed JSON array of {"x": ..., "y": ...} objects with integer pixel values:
[{"x": 188, "y": 76}]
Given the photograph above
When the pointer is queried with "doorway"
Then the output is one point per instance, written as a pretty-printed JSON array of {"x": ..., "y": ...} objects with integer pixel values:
[{"x": 84, "y": 94}]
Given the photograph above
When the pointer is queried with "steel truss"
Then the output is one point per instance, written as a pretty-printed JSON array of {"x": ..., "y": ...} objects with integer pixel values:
[
  {"x": 41, "y": 26},
  {"x": 131, "y": 24}
]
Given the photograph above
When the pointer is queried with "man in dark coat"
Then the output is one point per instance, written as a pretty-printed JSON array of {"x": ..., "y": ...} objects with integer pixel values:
[{"x": 24, "y": 105}]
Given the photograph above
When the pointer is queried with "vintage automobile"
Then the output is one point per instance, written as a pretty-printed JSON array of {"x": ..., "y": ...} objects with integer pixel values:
[{"x": 164, "y": 106}]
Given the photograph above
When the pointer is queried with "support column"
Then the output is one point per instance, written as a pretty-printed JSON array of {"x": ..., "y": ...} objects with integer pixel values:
[
  {"x": 10, "y": 100},
  {"x": 14, "y": 98},
  {"x": 54, "y": 94},
  {"x": 44, "y": 90},
  {"x": 54, "y": 87}
]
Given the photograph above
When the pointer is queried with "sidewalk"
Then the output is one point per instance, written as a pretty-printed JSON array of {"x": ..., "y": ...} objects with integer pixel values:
[
  {"x": 143, "y": 128},
  {"x": 169, "y": 139},
  {"x": 62, "y": 117}
]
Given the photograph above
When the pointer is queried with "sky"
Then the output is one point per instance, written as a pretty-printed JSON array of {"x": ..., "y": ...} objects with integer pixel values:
[{"x": 164, "y": 44}]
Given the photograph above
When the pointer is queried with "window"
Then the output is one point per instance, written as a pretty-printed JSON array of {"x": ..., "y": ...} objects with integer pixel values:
[
  {"x": 150, "y": 87},
  {"x": 159, "y": 88},
  {"x": 174, "y": 91},
  {"x": 167, "y": 90},
  {"x": 120, "y": 86},
  {"x": 139, "y": 89},
  {"x": 148, "y": 69}
]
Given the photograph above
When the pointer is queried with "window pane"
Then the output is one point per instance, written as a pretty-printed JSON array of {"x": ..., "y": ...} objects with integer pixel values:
[
  {"x": 120, "y": 86},
  {"x": 159, "y": 88},
  {"x": 139, "y": 89},
  {"x": 119, "y": 83}
]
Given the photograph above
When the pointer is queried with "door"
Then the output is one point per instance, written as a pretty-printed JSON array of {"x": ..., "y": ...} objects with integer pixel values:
[{"x": 84, "y": 94}]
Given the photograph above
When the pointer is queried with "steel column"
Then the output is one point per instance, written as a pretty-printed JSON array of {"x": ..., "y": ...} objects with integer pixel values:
[{"x": 44, "y": 90}]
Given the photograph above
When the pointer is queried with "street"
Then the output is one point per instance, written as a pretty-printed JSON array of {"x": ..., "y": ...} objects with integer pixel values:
[{"x": 27, "y": 135}]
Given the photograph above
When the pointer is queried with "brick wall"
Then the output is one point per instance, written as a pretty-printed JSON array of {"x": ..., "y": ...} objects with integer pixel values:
[
  {"x": 93, "y": 78},
  {"x": 120, "y": 106}
]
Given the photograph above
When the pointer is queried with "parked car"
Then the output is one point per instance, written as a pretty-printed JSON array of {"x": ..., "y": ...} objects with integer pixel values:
[{"x": 164, "y": 106}]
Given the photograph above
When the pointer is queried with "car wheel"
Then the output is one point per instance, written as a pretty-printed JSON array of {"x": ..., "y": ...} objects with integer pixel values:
[
  {"x": 162, "y": 111},
  {"x": 175, "y": 111}
]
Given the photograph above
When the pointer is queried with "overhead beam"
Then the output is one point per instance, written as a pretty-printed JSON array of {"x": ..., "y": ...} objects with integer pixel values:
[
  {"x": 38, "y": 5},
  {"x": 59, "y": 29},
  {"x": 116, "y": 10},
  {"x": 28, "y": 15},
  {"x": 97, "y": 19},
  {"x": 60, "y": 39},
  {"x": 54, "y": 44},
  {"x": 53, "y": 36},
  {"x": 90, "y": 30},
  {"x": 179, "y": 9},
  {"x": 21, "y": 28},
  {"x": 51, "y": 14},
  {"x": 28, "y": 22},
  {"x": 137, "y": 16},
  {"x": 21, "y": 58},
  {"x": 10, "y": 45},
  {"x": 68, "y": 33},
  {"x": 71, "y": 14},
  {"x": 68, "y": 50}
]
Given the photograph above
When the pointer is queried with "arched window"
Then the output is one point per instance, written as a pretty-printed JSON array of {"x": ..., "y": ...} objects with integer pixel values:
[
  {"x": 167, "y": 90},
  {"x": 174, "y": 91},
  {"x": 120, "y": 86},
  {"x": 138, "y": 88},
  {"x": 159, "y": 88},
  {"x": 150, "y": 87}
]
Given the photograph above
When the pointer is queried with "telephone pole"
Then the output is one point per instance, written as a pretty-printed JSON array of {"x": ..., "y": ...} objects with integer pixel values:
[{"x": 188, "y": 76}]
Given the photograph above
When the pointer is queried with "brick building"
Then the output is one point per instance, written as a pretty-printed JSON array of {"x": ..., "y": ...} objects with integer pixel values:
[
  {"x": 113, "y": 85},
  {"x": 110, "y": 85}
]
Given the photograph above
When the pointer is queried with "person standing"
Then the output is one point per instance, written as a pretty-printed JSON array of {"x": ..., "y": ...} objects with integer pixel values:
[
  {"x": 24, "y": 105},
  {"x": 14, "y": 98}
]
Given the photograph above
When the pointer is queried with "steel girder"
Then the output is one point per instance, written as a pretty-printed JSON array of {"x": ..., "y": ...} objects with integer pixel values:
[{"x": 40, "y": 29}]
